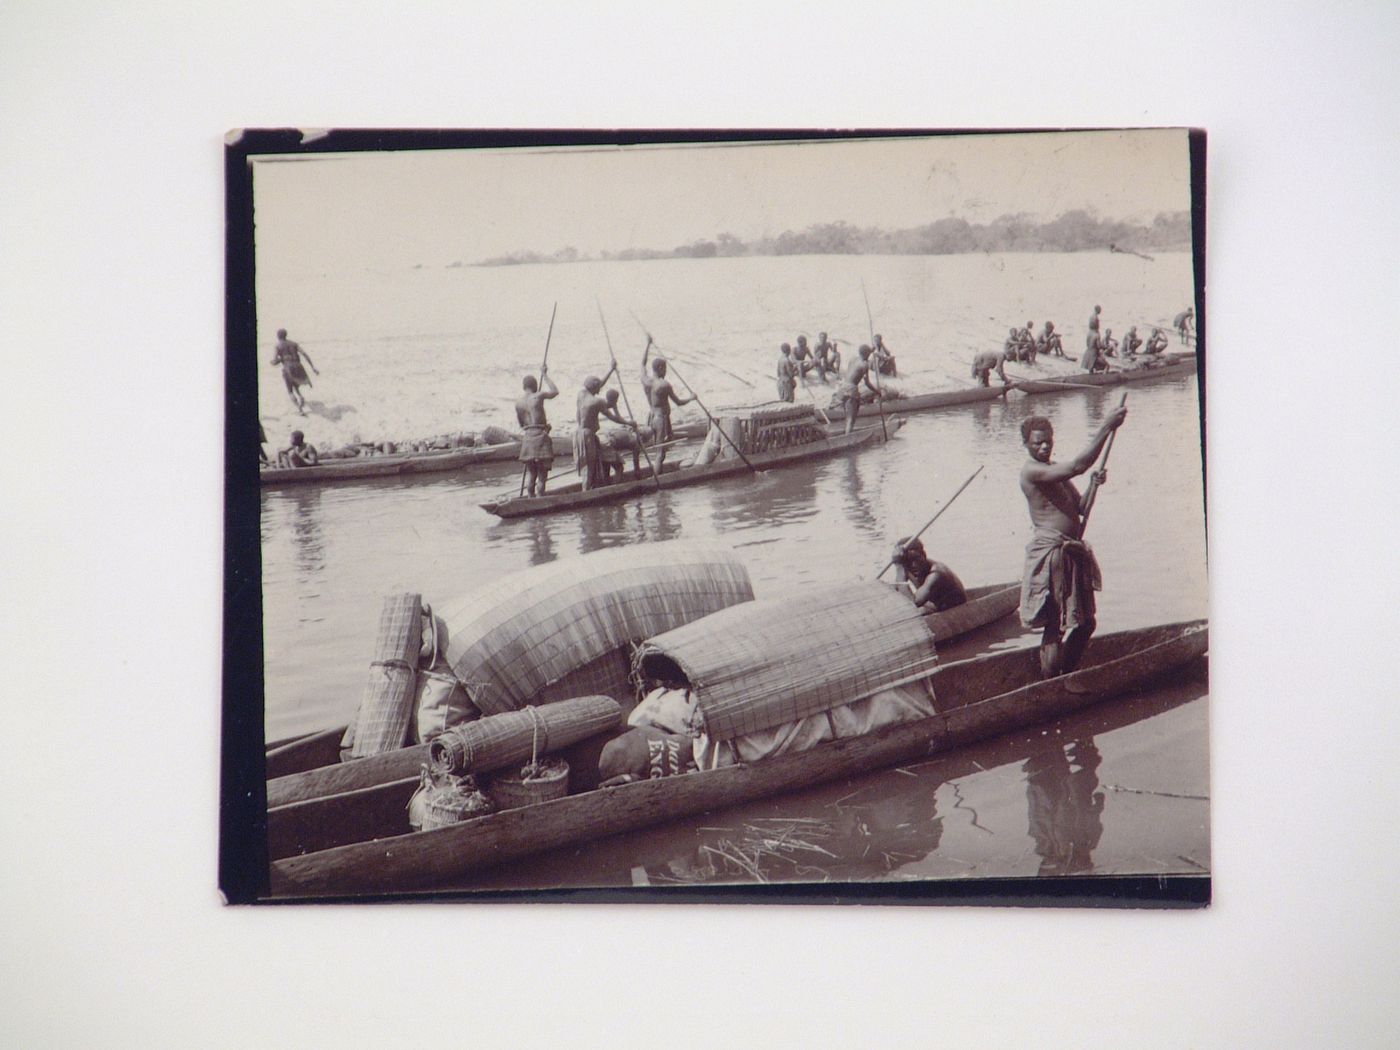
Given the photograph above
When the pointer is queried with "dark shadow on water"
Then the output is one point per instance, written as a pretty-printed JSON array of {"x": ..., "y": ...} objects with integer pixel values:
[
  {"x": 307, "y": 540},
  {"x": 1065, "y": 805}
]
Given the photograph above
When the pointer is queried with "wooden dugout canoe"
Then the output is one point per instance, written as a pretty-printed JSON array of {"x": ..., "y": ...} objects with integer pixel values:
[
  {"x": 977, "y": 698},
  {"x": 309, "y": 766},
  {"x": 1183, "y": 365},
  {"x": 928, "y": 402},
  {"x": 403, "y": 464},
  {"x": 572, "y": 497}
]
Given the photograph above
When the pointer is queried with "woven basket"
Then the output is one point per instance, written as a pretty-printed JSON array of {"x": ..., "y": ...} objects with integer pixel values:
[
  {"x": 443, "y": 800},
  {"x": 509, "y": 791}
]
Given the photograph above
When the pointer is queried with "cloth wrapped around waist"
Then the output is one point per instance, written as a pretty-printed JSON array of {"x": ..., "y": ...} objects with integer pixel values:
[
  {"x": 1061, "y": 576},
  {"x": 535, "y": 443}
]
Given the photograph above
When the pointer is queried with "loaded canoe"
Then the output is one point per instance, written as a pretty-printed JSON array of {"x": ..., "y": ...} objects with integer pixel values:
[
  {"x": 402, "y": 464},
  {"x": 571, "y": 497},
  {"x": 309, "y": 766},
  {"x": 937, "y": 399},
  {"x": 358, "y": 842}
]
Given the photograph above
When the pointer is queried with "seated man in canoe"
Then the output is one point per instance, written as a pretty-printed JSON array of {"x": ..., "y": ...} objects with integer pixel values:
[
  {"x": 847, "y": 397},
  {"x": 1093, "y": 359},
  {"x": 786, "y": 374},
  {"x": 1131, "y": 342},
  {"x": 1049, "y": 341},
  {"x": 884, "y": 360},
  {"x": 298, "y": 453},
  {"x": 802, "y": 357},
  {"x": 1156, "y": 342},
  {"x": 536, "y": 447},
  {"x": 616, "y": 441},
  {"x": 1026, "y": 341},
  {"x": 1061, "y": 574},
  {"x": 660, "y": 397},
  {"x": 930, "y": 582},
  {"x": 588, "y": 454},
  {"x": 288, "y": 354},
  {"x": 1108, "y": 344},
  {"x": 987, "y": 362}
]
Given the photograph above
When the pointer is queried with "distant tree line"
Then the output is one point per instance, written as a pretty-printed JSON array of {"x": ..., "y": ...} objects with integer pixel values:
[{"x": 1074, "y": 231}]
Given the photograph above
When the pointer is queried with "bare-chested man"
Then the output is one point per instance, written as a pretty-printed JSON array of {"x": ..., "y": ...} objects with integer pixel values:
[
  {"x": 1049, "y": 341},
  {"x": 1183, "y": 322},
  {"x": 884, "y": 360},
  {"x": 588, "y": 455},
  {"x": 821, "y": 357},
  {"x": 660, "y": 397},
  {"x": 1156, "y": 342},
  {"x": 1131, "y": 342},
  {"x": 930, "y": 582},
  {"x": 288, "y": 354},
  {"x": 802, "y": 357},
  {"x": 618, "y": 440},
  {"x": 848, "y": 394},
  {"x": 536, "y": 446},
  {"x": 1061, "y": 574},
  {"x": 298, "y": 453},
  {"x": 786, "y": 374},
  {"x": 987, "y": 362}
]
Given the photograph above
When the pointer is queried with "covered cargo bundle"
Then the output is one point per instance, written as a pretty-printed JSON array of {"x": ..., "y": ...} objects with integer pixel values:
[
  {"x": 563, "y": 629},
  {"x": 386, "y": 706},
  {"x": 502, "y": 740},
  {"x": 772, "y": 662},
  {"x": 768, "y": 427}
]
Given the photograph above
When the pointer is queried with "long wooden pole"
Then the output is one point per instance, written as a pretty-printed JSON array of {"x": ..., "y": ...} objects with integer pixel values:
[
  {"x": 874, "y": 353},
  {"x": 656, "y": 476},
  {"x": 524, "y": 471},
  {"x": 715, "y": 423},
  {"x": 1093, "y": 492},
  {"x": 910, "y": 542},
  {"x": 686, "y": 357}
]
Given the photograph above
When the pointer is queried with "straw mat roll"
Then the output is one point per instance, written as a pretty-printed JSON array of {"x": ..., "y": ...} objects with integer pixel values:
[
  {"x": 386, "y": 706},
  {"x": 770, "y": 662},
  {"x": 510, "y": 639},
  {"x": 498, "y": 741}
]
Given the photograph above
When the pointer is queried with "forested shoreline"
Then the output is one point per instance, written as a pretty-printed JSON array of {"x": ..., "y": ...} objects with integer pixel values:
[{"x": 1072, "y": 231}]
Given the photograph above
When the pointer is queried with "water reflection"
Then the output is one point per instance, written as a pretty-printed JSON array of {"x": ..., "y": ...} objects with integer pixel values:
[
  {"x": 601, "y": 526},
  {"x": 1066, "y": 806},
  {"x": 776, "y": 499},
  {"x": 857, "y": 501},
  {"x": 308, "y": 544},
  {"x": 541, "y": 539}
]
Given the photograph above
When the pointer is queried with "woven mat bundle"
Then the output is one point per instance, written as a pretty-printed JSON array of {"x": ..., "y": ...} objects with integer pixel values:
[
  {"x": 386, "y": 706},
  {"x": 767, "y": 663},
  {"x": 512, "y": 638},
  {"x": 498, "y": 741}
]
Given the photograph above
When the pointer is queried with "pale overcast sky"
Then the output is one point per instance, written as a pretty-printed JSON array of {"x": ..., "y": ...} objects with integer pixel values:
[{"x": 434, "y": 207}]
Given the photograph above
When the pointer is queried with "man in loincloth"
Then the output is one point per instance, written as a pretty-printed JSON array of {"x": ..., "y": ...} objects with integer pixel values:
[
  {"x": 1027, "y": 341},
  {"x": 1183, "y": 321},
  {"x": 617, "y": 440},
  {"x": 288, "y": 354},
  {"x": 536, "y": 446},
  {"x": 588, "y": 454},
  {"x": 1061, "y": 573},
  {"x": 1093, "y": 335},
  {"x": 298, "y": 453},
  {"x": 1156, "y": 342},
  {"x": 848, "y": 394},
  {"x": 931, "y": 582},
  {"x": 802, "y": 357},
  {"x": 660, "y": 397},
  {"x": 1011, "y": 345},
  {"x": 786, "y": 374},
  {"x": 985, "y": 363}
]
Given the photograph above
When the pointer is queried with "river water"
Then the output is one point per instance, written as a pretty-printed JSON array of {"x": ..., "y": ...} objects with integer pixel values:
[{"x": 420, "y": 352}]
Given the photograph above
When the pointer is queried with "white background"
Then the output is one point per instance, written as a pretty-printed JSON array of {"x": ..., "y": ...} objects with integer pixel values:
[{"x": 111, "y": 240}]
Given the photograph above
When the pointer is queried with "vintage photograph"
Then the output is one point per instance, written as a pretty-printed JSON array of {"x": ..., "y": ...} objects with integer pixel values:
[{"x": 673, "y": 514}]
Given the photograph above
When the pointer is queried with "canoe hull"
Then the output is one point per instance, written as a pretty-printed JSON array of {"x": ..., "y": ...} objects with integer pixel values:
[
  {"x": 572, "y": 497},
  {"x": 978, "y": 698},
  {"x": 1113, "y": 378}
]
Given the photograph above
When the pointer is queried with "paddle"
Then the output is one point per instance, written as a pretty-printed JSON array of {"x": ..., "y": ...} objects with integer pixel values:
[
  {"x": 524, "y": 471},
  {"x": 910, "y": 542},
  {"x": 623, "y": 387},
  {"x": 1093, "y": 492},
  {"x": 879, "y": 394},
  {"x": 722, "y": 432}
]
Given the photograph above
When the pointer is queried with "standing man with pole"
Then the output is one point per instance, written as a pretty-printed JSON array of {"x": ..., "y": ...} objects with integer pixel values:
[
  {"x": 536, "y": 446},
  {"x": 1061, "y": 573},
  {"x": 660, "y": 396}
]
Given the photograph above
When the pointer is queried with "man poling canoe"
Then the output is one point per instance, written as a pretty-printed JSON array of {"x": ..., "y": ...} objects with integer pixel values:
[
  {"x": 536, "y": 447},
  {"x": 1061, "y": 573}
]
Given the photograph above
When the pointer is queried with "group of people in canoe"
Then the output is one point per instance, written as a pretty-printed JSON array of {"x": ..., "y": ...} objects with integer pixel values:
[
  {"x": 797, "y": 361},
  {"x": 1022, "y": 345},
  {"x": 598, "y": 456}
]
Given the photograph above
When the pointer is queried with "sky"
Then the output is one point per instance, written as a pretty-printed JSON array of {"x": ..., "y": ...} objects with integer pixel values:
[{"x": 436, "y": 207}]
